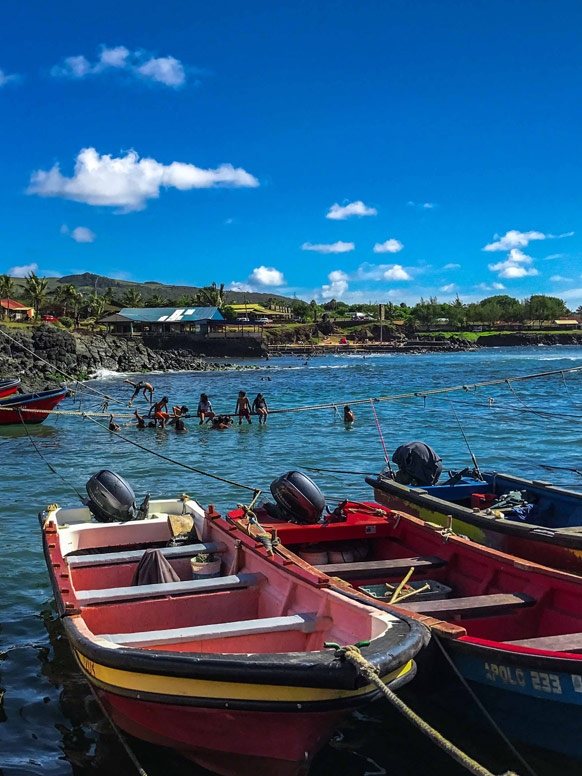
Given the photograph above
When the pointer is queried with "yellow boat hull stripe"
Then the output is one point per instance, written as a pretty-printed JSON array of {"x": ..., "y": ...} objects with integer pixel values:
[{"x": 178, "y": 686}]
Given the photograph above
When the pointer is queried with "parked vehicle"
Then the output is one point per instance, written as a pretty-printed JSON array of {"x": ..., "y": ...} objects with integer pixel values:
[
  {"x": 50, "y": 318},
  {"x": 262, "y": 321}
]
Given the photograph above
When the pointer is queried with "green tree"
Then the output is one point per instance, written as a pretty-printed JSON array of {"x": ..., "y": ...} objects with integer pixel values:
[
  {"x": 211, "y": 296},
  {"x": 157, "y": 300},
  {"x": 132, "y": 298},
  {"x": 300, "y": 309},
  {"x": 544, "y": 308},
  {"x": 95, "y": 306},
  {"x": 6, "y": 290},
  {"x": 35, "y": 290}
]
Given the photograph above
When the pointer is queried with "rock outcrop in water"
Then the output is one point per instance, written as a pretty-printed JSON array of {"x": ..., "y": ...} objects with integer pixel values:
[{"x": 44, "y": 357}]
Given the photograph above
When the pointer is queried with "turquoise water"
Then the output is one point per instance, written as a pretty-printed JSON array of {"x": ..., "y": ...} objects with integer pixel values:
[{"x": 48, "y": 724}]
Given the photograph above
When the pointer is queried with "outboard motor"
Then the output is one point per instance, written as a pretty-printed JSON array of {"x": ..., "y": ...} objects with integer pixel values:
[
  {"x": 418, "y": 464},
  {"x": 298, "y": 498},
  {"x": 110, "y": 498}
]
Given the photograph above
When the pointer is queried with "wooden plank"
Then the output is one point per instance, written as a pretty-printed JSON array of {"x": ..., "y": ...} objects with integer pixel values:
[
  {"x": 136, "y": 592},
  {"x": 133, "y": 556},
  {"x": 471, "y": 606},
  {"x": 379, "y": 569},
  {"x": 307, "y": 623},
  {"x": 563, "y": 642}
]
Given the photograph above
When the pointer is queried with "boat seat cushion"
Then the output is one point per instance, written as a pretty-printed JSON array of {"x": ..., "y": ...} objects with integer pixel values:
[
  {"x": 307, "y": 623},
  {"x": 563, "y": 642},
  {"x": 137, "y": 592},
  {"x": 134, "y": 556},
  {"x": 378, "y": 569},
  {"x": 471, "y": 606}
]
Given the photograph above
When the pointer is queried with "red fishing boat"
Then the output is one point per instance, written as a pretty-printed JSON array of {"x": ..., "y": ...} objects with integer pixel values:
[
  {"x": 29, "y": 407},
  {"x": 8, "y": 387},
  {"x": 228, "y": 668},
  {"x": 512, "y": 628}
]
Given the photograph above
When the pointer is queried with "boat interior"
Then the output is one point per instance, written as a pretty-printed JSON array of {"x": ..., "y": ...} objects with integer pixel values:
[
  {"x": 491, "y": 595},
  {"x": 534, "y": 502},
  {"x": 249, "y": 604}
]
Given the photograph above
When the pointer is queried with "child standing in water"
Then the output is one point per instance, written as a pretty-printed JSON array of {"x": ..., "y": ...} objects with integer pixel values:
[
  {"x": 243, "y": 408},
  {"x": 261, "y": 408}
]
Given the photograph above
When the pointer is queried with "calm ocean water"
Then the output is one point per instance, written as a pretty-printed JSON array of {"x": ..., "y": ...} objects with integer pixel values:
[{"x": 48, "y": 722}]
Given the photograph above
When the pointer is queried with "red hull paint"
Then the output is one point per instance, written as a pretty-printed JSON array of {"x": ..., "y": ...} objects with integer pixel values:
[
  {"x": 20, "y": 413},
  {"x": 280, "y": 744},
  {"x": 9, "y": 390}
]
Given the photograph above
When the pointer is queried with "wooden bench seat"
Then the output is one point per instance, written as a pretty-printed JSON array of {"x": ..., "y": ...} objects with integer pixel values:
[
  {"x": 136, "y": 592},
  {"x": 563, "y": 642},
  {"x": 307, "y": 623},
  {"x": 471, "y": 606},
  {"x": 134, "y": 556},
  {"x": 379, "y": 569}
]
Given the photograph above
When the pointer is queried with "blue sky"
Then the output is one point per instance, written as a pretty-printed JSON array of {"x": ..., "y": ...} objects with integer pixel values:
[{"x": 371, "y": 151}]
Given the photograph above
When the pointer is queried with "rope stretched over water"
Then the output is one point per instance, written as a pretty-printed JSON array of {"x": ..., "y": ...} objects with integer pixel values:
[
  {"x": 432, "y": 392},
  {"x": 353, "y": 655},
  {"x": 256, "y": 491}
]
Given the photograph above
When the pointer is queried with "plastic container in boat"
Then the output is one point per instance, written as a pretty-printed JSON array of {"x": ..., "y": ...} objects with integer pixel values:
[
  {"x": 206, "y": 569},
  {"x": 437, "y": 591}
]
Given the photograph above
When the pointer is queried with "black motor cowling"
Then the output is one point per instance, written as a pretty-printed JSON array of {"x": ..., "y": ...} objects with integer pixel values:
[
  {"x": 110, "y": 498},
  {"x": 418, "y": 464},
  {"x": 298, "y": 498}
]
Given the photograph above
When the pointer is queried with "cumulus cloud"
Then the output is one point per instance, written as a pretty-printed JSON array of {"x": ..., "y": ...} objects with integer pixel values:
[
  {"x": 452, "y": 266},
  {"x": 515, "y": 239},
  {"x": 82, "y": 234},
  {"x": 127, "y": 182},
  {"x": 338, "y": 285},
  {"x": 336, "y": 247},
  {"x": 515, "y": 266},
  {"x": 397, "y": 272},
  {"x": 23, "y": 271},
  {"x": 390, "y": 246},
  {"x": 266, "y": 276},
  {"x": 341, "y": 212},
  {"x": 449, "y": 287},
  {"x": 5, "y": 78},
  {"x": 168, "y": 71}
]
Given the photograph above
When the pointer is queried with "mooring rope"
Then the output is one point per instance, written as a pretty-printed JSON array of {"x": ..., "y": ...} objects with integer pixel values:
[
  {"x": 256, "y": 491},
  {"x": 353, "y": 655},
  {"x": 386, "y": 456}
]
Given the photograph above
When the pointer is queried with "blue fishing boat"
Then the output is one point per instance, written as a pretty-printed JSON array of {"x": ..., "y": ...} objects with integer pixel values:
[{"x": 531, "y": 519}]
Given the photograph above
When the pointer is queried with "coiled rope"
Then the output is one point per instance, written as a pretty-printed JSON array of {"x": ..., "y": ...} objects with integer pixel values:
[{"x": 353, "y": 655}]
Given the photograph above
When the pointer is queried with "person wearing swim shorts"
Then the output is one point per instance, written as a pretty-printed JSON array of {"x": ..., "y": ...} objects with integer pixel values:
[
  {"x": 243, "y": 408},
  {"x": 141, "y": 386}
]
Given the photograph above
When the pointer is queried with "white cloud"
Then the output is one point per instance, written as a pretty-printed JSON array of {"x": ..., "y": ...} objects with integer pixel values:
[
  {"x": 397, "y": 272},
  {"x": 490, "y": 287},
  {"x": 514, "y": 266},
  {"x": 128, "y": 182},
  {"x": 498, "y": 286},
  {"x": 22, "y": 272},
  {"x": 266, "y": 276},
  {"x": 336, "y": 247},
  {"x": 390, "y": 246},
  {"x": 559, "y": 278},
  {"x": 341, "y": 212},
  {"x": 7, "y": 79},
  {"x": 452, "y": 266},
  {"x": 338, "y": 285},
  {"x": 421, "y": 205},
  {"x": 138, "y": 64},
  {"x": 449, "y": 287},
  {"x": 515, "y": 239},
  {"x": 83, "y": 235}
]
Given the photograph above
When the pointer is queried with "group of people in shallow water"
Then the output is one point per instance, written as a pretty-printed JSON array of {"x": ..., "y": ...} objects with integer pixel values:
[{"x": 160, "y": 416}]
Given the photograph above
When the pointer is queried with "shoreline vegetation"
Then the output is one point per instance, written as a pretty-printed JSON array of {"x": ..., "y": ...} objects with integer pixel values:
[{"x": 45, "y": 355}]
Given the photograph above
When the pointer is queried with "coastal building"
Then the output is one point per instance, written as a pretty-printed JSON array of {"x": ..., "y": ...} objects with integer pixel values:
[
  {"x": 16, "y": 311},
  {"x": 254, "y": 311},
  {"x": 163, "y": 320}
]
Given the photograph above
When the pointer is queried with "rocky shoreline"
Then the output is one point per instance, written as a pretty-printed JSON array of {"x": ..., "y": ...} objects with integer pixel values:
[
  {"x": 81, "y": 356},
  {"x": 46, "y": 356}
]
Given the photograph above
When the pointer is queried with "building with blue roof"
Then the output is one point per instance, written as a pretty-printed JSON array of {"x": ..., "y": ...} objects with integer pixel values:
[{"x": 163, "y": 320}]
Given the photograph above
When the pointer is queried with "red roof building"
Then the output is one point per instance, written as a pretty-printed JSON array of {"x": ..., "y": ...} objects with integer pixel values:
[{"x": 16, "y": 311}]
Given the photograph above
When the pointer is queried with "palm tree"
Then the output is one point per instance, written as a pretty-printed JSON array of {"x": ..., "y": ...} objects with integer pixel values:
[
  {"x": 211, "y": 296},
  {"x": 35, "y": 289},
  {"x": 157, "y": 300},
  {"x": 66, "y": 296},
  {"x": 6, "y": 290},
  {"x": 95, "y": 305},
  {"x": 132, "y": 298}
]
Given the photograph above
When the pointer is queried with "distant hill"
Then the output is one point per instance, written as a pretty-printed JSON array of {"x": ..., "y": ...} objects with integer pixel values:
[{"x": 88, "y": 283}]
